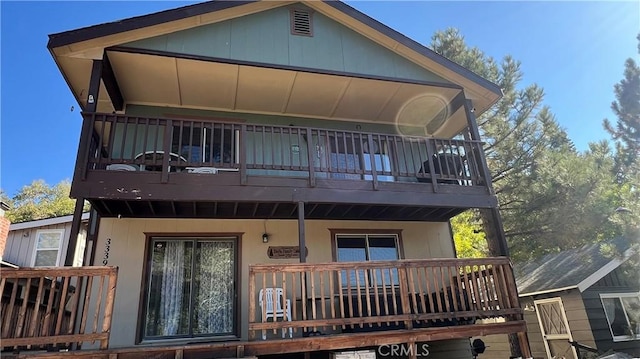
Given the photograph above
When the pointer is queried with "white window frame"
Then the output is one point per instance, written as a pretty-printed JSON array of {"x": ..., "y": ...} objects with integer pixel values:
[
  {"x": 37, "y": 240},
  {"x": 621, "y": 338}
]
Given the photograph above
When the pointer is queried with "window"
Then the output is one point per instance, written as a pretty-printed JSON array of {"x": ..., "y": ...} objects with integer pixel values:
[
  {"x": 47, "y": 253},
  {"x": 190, "y": 288},
  {"x": 623, "y": 315},
  {"x": 367, "y": 247}
]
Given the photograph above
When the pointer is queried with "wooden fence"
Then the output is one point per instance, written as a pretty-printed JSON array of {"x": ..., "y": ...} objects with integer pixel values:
[
  {"x": 57, "y": 306},
  {"x": 318, "y": 299}
]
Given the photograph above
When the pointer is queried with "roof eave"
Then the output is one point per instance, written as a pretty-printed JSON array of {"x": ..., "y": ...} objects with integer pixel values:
[
  {"x": 547, "y": 291},
  {"x": 91, "y": 32}
]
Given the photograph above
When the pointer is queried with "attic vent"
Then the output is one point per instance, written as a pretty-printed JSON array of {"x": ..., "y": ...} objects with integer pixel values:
[{"x": 301, "y": 22}]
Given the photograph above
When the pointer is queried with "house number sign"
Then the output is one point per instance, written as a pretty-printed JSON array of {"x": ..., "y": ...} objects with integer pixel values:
[{"x": 285, "y": 252}]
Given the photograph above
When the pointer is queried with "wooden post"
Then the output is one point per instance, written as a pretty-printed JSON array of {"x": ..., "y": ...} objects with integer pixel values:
[
  {"x": 301, "y": 235},
  {"x": 243, "y": 154},
  {"x": 372, "y": 160},
  {"x": 75, "y": 230},
  {"x": 311, "y": 155},
  {"x": 166, "y": 149},
  {"x": 108, "y": 309}
]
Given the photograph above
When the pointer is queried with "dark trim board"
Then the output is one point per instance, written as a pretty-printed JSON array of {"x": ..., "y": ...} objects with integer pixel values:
[
  {"x": 138, "y": 22},
  {"x": 116, "y": 185},
  {"x": 138, "y": 51}
]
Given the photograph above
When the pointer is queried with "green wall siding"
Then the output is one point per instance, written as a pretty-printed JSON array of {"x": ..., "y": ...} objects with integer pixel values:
[
  {"x": 265, "y": 37},
  {"x": 153, "y": 111}
]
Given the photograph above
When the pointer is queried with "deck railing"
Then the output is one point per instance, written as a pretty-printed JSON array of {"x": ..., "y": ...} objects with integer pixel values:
[
  {"x": 56, "y": 306},
  {"x": 326, "y": 298},
  {"x": 137, "y": 143}
]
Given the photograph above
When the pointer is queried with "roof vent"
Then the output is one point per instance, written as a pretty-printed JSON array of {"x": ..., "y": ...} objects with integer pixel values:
[{"x": 301, "y": 22}]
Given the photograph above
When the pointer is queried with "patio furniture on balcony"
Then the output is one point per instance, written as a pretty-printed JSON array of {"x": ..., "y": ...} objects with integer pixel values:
[{"x": 273, "y": 305}]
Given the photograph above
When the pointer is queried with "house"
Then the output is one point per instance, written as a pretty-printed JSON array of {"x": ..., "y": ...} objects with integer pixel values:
[
  {"x": 44, "y": 242},
  {"x": 278, "y": 177},
  {"x": 589, "y": 296}
]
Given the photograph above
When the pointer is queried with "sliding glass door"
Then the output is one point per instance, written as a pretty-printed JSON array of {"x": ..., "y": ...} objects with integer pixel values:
[{"x": 190, "y": 289}]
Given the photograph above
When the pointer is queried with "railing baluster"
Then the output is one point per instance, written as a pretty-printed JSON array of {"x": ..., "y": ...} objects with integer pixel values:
[
  {"x": 332, "y": 297},
  {"x": 404, "y": 295},
  {"x": 313, "y": 298},
  {"x": 367, "y": 294},
  {"x": 322, "y": 297},
  {"x": 36, "y": 308},
  {"x": 376, "y": 295}
]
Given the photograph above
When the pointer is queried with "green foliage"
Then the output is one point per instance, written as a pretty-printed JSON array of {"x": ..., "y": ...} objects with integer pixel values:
[
  {"x": 469, "y": 238},
  {"x": 39, "y": 201},
  {"x": 551, "y": 197},
  {"x": 626, "y": 107}
]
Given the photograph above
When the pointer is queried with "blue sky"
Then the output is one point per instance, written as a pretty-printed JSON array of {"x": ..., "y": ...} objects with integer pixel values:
[{"x": 575, "y": 50}]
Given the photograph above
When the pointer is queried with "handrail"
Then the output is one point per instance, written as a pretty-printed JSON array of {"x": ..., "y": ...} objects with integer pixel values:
[
  {"x": 384, "y": 295},
  {"x": 57, "y": 306},
  {"x": 267, "y": 150}
]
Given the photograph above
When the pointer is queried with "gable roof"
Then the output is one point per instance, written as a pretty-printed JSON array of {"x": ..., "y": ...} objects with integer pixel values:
[
  {"x": 90, "y": 42},
  {"x": 578, "y": 268}
]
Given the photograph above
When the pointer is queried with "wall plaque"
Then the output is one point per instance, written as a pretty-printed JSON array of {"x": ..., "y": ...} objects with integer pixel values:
[{"x": 285, "y": 252}]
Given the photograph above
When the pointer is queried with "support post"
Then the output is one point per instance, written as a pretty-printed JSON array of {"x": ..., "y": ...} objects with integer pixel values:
[
  {"x": 301, "y": 234},
  {"x": 75, "y": 230},
  {"x": 92, "y": 236}
]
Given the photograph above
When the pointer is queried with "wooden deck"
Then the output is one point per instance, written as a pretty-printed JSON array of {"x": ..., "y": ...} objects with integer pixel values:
[
  {"x": 352, "y": 297},
  {"x": 333, "y": 306}
]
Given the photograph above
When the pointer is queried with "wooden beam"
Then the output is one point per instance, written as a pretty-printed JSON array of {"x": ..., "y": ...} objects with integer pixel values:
[
  {"x": 301, "y": 234},
  {"x": 111, "y": 84},
  {"x": 94, "y": 87}
]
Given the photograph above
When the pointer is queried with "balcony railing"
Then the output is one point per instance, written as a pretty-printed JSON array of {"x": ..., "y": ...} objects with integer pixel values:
[
  {"x": 327, "y": 298},
  {"x": 62, "y": 306},
  {"x": 142, "y": 144}
]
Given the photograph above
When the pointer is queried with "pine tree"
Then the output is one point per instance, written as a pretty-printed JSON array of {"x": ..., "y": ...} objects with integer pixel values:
[{"x": 626, "y": 107}]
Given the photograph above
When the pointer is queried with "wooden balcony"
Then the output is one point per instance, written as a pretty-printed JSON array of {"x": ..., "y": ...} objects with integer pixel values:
[
  {"x": 341, "y": 306},
  {"x": 336, "y": 298},
  {"x": 61, "y": 308},
  {"x": 140, "y": 167}
]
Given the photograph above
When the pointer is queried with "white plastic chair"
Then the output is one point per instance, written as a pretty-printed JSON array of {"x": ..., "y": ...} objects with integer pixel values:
[{"x": 266, "y": 300}]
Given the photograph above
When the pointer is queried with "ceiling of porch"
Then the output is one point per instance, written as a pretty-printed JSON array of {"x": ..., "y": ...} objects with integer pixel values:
[
  {"x": 270, "y": 210},
  {"x": 167, "y": 81}
]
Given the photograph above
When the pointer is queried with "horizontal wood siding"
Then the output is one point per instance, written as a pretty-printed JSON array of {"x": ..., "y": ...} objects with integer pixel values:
[
  {"x": 265, "y": 37},
  {"x": 617, "y": 281}
]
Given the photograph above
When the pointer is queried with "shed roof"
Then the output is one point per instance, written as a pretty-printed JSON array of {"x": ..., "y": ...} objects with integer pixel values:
[{"x": 577, "y": 268}]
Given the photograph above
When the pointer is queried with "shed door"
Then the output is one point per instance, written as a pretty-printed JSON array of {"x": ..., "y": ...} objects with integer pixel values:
[{"x": 554, "y": 326}]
